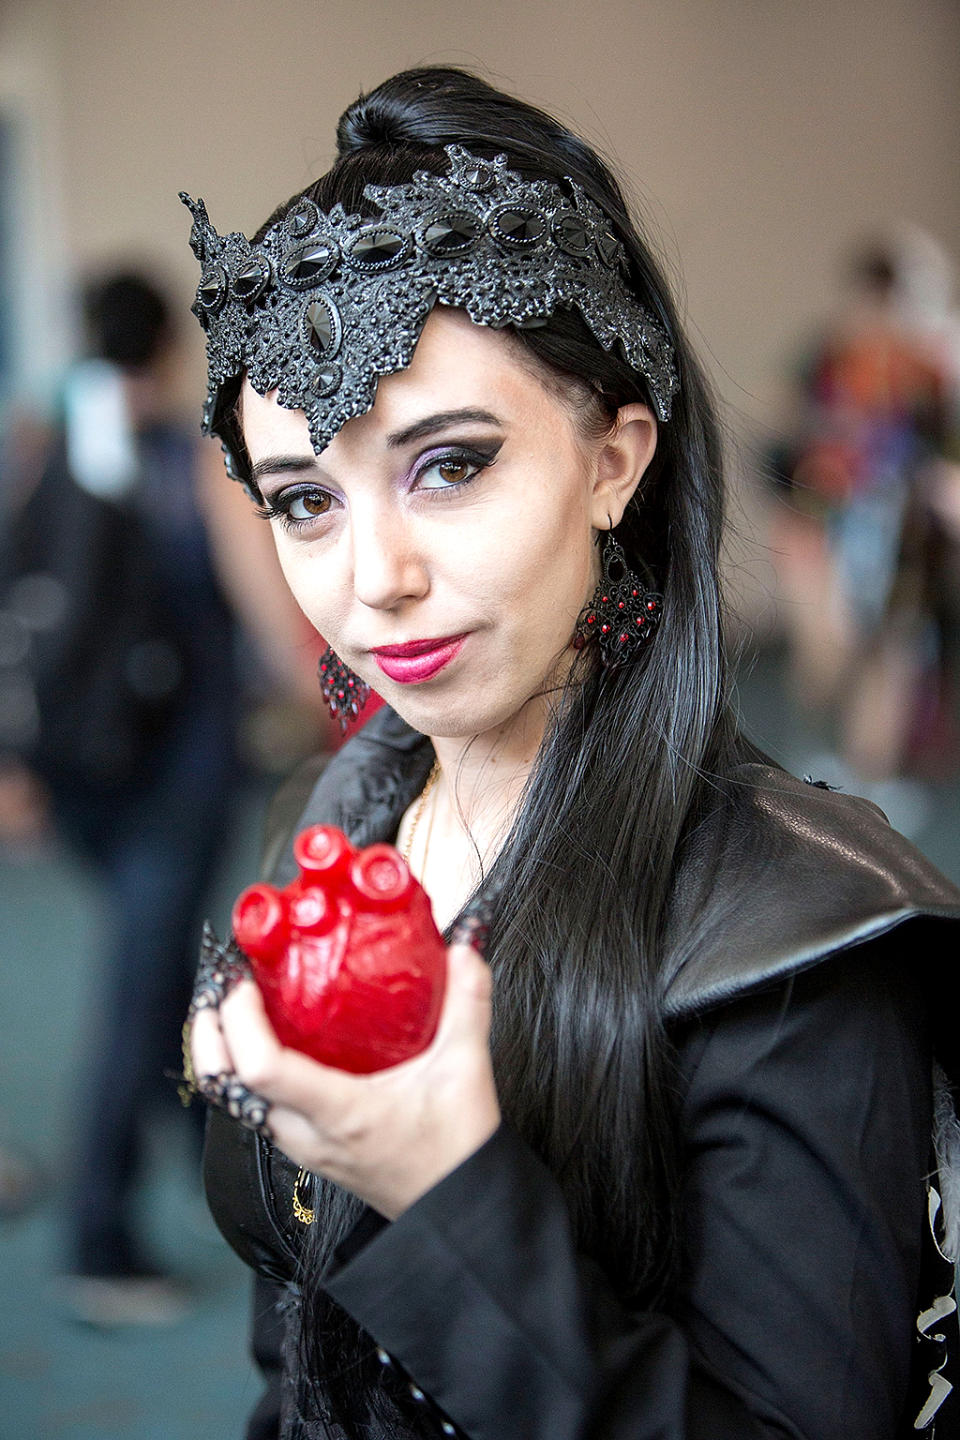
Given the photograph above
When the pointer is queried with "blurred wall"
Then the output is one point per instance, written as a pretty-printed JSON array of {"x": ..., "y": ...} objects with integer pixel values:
[{"x": 760, "y": 135}]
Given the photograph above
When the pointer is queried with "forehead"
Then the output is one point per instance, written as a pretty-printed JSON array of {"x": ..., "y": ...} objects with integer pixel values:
[{"x": 456, "y": 365}]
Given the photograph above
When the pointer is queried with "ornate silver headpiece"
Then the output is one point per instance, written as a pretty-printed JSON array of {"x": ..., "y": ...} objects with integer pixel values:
[{"x": 325, "y": 304}]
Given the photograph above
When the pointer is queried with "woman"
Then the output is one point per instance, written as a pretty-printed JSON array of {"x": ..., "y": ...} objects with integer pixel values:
[{"x": 677, "y": 1184}]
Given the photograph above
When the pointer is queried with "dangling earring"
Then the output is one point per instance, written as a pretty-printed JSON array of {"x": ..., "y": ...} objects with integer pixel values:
[
  {"x": 621, "y": 614},
  {"x": 344, "y": 692}
]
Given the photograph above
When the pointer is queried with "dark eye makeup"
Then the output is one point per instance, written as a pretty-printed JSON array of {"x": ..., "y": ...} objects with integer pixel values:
[
  {"x": 453, "y": 466},
  {"x": 441, "y": 471},
  {"x": 316, "y": 501}
]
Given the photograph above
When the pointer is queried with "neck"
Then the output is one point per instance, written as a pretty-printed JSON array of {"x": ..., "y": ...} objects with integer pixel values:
[
  {"x": 483, "y": 772},
  {"x": 480, "y": 784}
]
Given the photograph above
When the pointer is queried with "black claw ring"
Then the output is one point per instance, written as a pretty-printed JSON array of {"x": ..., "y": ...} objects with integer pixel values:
[
  {"x": 240, "y": 1102},
  {"x": 472, "y": 925},
  {"x": 221, "y": 967}
]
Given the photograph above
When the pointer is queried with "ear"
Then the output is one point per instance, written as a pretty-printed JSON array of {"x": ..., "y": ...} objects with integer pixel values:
[{"x": 622, "y": 460}]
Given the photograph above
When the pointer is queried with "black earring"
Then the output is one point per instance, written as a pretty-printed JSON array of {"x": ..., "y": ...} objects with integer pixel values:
[
  {"x": 622, "y": 614},
  {"x": 345, "y": 693}
]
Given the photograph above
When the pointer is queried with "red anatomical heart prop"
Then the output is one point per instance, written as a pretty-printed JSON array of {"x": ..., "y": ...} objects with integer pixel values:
[{"x": 349, "y": 961}]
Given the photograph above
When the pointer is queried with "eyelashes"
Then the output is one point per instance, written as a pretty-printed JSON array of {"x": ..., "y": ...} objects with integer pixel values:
[
  {"x": 281, "y": 506},
  {"x": 458, "y": 457},
  {"x": 314, "y": 502}
]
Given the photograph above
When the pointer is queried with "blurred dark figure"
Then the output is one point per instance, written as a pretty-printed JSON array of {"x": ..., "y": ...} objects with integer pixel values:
[
  {"x": 19, "y": 1183},
  {"x": 869, "y": 541},
  {"x": 120, "y": 717}
]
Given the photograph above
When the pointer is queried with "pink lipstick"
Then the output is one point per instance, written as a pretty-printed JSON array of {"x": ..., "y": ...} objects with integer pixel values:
[{"x": 417, "y": 660}]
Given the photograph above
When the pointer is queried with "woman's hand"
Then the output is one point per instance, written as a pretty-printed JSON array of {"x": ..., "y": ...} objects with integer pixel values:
[{"x": 390, "y": 1136}]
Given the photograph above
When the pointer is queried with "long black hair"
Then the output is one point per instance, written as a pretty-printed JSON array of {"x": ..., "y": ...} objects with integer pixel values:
[{"x": 626, "y": 769}]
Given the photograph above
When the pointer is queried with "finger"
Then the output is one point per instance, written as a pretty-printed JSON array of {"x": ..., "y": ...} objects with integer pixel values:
[
  {"x": 208, "y": 1049},
  {"x": 229, "y": 1093},
  {"x": 220, "y": 967},
  {"x": 283, "y": 1076},
  {"x": 292, "y": 1133},
  {"x": 468, "y": 1001},
  {"x": 469, "y": 971}
]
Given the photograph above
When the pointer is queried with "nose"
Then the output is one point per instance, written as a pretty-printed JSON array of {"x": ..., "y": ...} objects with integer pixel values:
[{"x": 388, "y": 566}]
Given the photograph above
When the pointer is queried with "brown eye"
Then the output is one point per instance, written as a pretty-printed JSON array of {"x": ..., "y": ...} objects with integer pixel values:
[
  {"x": 451, "y": 470},
  {"x": 454, "y": 471},
  {"x": 308, "y": 505}
]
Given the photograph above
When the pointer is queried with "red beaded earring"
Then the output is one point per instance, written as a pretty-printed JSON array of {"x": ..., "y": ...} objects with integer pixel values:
[
  {"x": 344, "y": 691},
  {"x": 622, "y": 614}
]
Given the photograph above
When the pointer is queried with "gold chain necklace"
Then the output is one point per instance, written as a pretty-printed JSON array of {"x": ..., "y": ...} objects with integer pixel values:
[
  {"x": 305, "y": 1213},
  {"x": 432, "y": 779}
]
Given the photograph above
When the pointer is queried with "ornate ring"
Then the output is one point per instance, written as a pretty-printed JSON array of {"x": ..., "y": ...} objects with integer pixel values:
[
  {"x": 237, "y": 1099},
  {"x": 221, "y": 967}
]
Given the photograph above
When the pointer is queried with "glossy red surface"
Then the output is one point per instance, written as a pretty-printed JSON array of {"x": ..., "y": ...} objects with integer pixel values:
[{"x": 349, "y": 961}]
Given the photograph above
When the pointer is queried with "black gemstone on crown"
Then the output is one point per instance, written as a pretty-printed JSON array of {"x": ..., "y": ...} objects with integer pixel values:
[
  {"x": 321, "y": 327},
  {"x": 327, "y": 379},
  {"x": 309, "y": 264},
  {"x": 479, "y": 176},
  {"x": 376, "y": 248},
  {"x": 519, "y": 229},
  {"x": 302, "y": 219},
  {"x": 252, "y": 278},
  {"x": 450, "y": 234},
  {"x": 572, "y": 235},
  {"x": 212, "y": 289},
  {"x": 608, "y": 245}
]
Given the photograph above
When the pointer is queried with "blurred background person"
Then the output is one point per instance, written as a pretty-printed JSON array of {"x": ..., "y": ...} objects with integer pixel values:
[
  {"x": 868, "y": 544},
  {"x": 19, "y": 1183},
  {"x": 126, "y": 747}
]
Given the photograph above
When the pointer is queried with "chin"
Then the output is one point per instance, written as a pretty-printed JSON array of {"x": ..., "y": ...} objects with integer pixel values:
[{"x": 451, "y": 718}]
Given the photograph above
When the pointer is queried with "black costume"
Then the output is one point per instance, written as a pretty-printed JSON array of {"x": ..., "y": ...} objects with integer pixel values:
[{"x": 811, "y": 981}]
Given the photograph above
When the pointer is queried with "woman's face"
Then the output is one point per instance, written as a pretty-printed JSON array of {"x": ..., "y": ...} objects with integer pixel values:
[{"x": 443, "y": 543}]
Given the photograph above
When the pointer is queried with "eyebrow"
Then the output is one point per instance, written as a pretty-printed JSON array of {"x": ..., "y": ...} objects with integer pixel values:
[
  {"x": 429, "y": 425},
  {"x": 282, "y": 465}
]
